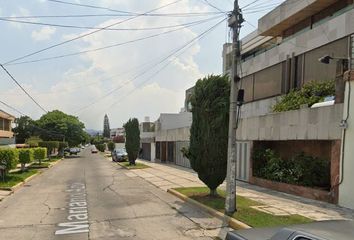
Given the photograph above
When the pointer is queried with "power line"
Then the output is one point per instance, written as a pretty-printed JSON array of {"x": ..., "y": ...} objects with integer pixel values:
[
  {"x": 107, "y": 29},
  {"x": 24, "y": 90},
  {"x": 88, "y": 34},
  {"x": 196, "y": 14},
  {"x": 7, "y": 105},
  {"x": 161, "y": 61},
  {"x": 113, "y": 45},
  {"x": 213, "y": 6},
  {"x": 250, "y": 4}
]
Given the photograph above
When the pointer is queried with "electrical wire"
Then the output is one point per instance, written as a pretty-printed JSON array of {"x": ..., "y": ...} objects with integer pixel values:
[
  {"x": 88, "y": 34},
  {"x": 14, "y": 109},
  {"x": 213, "y": 6},
  {"x": 24, "y": 90},
  {"x": 106, "y": 29},
  {"x": 143, "y": 73},
  {"x": 112, "y": 45}
]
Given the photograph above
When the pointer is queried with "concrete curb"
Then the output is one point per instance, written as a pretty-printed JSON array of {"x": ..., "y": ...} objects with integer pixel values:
[
  {"x": 14, "y": 188},
  {"x": 233, "y": 223}
]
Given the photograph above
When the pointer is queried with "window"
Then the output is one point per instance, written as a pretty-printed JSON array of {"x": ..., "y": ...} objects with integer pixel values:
[{"x": 2, "y": 124}]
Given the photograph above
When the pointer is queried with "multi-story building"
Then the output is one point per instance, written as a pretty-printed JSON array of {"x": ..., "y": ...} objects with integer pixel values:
[
  {"x": 115, "y": 132},
  {"x": 147, "y": 139},
  {"x": 282, "y": 55},
  {"x": 6, "y": 134}
]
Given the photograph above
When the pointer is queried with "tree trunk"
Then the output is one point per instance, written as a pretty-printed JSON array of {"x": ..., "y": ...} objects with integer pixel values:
[
  {"x": 40, "y": 161},
  {"x": 23, "y": 165},
  {"x": 213, "y": 192}
]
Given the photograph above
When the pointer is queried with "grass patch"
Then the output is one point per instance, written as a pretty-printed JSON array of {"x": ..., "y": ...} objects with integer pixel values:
[
  {"x": 37, "y": 165},
  {"x": 14, "y": 178},
  {"x": 245, "y": 213},
  {"x": 136, "y": 166},
  {"x": 52, "y": 159}
]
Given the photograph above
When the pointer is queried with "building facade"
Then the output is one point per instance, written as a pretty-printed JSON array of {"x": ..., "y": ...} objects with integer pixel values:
[
  {"x": 6, "y": 134},
  {"x": 282, "y": 55}
]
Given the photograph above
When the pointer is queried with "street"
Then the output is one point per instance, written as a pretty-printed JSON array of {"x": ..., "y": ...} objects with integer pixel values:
[{"x": 53, "y": 206}]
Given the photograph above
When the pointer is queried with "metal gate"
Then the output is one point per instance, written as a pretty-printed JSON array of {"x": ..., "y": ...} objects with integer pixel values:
[
  {"x": 171, "y": 152},
  {"x": 243, "y": 160},
  {"x": 180, "y": 160},
  {"x": 146, "y": 151}
]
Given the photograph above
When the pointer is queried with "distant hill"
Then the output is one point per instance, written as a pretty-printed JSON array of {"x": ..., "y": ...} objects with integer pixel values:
[{"x": 93, "y": 132}]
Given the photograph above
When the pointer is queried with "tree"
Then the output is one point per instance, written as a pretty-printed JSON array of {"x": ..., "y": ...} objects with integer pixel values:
[
  {"x": 209, "y": 133},
  {"x": 132, "y": 139},
  {"x": 111, "y": 146},
  {"x": 106, "y": 129},
  {"x": 39, "y": 154},
  {"x": 24, "y": 129},
  {"x": 56, "y": 125},
  {"x": 25, "y": 156}
]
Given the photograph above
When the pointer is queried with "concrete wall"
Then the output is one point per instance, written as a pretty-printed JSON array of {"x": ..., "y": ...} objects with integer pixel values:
[
  {"x": 322, "y": 34},
  {"x": 258, "y": 108},
  {"x": 346, "y": 192},
  {"x": 173, "y": 135},
  {"x": 174, "y": 120},
  {"x": 304, "y": 124}
]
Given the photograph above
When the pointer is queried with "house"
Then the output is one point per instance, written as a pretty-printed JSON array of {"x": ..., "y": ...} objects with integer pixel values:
[
  {"x": 6, "y": 134},
  {"x": 171, "y": 135},
  {"x": 147, "y": 140},
  {"x": 114, "y": 132},
  {"x": 282, "y": 55}
]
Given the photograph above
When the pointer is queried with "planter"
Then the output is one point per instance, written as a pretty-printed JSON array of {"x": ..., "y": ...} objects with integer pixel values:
[{"x": 306, "y": 192}]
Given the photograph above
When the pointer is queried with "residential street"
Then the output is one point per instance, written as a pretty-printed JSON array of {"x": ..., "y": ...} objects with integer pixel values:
[{"x": 53, "y": 206}]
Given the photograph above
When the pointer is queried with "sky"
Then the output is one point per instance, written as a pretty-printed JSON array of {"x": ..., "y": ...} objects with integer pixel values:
[{"x": 150, "y": 63}]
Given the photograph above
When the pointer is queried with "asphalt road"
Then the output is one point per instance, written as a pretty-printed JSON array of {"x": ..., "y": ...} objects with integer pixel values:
[{"x": 89, "y": 197}]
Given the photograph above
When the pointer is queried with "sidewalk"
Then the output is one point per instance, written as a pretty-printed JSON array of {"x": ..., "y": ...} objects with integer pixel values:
[{"x": 167, "y": 176}]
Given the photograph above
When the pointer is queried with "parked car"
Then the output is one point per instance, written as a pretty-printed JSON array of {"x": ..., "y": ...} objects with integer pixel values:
[
  {"x": 119, "y": 155},
  {"x": 325, "y": 230},
  {"x": 74, "y": 151}
]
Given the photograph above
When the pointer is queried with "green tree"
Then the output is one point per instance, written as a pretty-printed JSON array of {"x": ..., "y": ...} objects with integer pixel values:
[
  {"x": 111, "y": 146},
  {"x": 25, "y": 128},
  {"x": 39, "y": 154},
  {"x": 132, "y": 139},
  {"x": 33, "y": 141},
  {"x": 8, "y": 158},
  {"x": 106, "y": 128},
  {"x": 56, "y": 125},
  {"x": 25, "y": 156},
  {"x": 209, "y": 132},
  {"x": 50, "y": 146}
]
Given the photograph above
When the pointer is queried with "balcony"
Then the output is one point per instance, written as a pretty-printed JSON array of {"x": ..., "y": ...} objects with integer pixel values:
[{"x": 303, "y": 124}]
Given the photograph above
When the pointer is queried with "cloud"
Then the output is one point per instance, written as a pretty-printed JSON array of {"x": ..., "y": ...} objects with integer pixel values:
[
  {"x": 21, "y": 12},
  {"x": 43, "y": 34},
  {"x": 145, "y": 80}
]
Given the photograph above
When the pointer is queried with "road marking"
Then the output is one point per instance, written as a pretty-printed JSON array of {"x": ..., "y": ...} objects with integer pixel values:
[{"x": 78, "y": 214}]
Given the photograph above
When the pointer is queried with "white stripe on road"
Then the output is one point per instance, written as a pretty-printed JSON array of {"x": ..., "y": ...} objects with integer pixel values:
[{"x": 78, "y": 214}]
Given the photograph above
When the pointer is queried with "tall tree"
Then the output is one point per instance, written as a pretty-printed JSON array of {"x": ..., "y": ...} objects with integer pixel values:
[
  {"x": 106, "y": 129},
  {"x": 57, "y": 126},
  {"x": 132, "y": 139},
  {"x": 25, "y": 128},
  {"x": 209, "y": 133}
]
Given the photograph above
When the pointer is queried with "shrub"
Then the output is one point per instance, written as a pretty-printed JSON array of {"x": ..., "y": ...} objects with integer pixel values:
[
  {"x": 309, "y": 94},
  {"x": 25, "y": 156},
  {"x": 132, "y": 140},
  {"x": 111, "y": 146},
  {"x": 101, "y": 147},
  {"x": 300, "y": 169},
  {"x": 8, "y": 158},
  {"x": 50, "y": 146},
  {"x": 209, "y": 132},
  {"x": 39, "y": 154},
  {"x": 33, "y": 141}
]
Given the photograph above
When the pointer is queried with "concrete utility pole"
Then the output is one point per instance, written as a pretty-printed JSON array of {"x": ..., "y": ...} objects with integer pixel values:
[{"x": 235, "y": 21}]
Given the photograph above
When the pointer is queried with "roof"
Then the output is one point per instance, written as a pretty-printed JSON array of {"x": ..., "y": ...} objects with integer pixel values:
[{"x": 6, "y": 115}]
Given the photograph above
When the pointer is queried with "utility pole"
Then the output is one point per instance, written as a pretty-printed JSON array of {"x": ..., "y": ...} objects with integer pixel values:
[{"x": 235, "y": 21}]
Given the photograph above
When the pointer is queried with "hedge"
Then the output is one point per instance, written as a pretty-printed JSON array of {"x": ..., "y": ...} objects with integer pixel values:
[
  {"x": 25, "y": 156},
  {"x": 50, "y": 145},
  {"x": 39, "y": 154},
  {"x": 8, "y": 158},
  {"x": 101, "y": 147}
]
